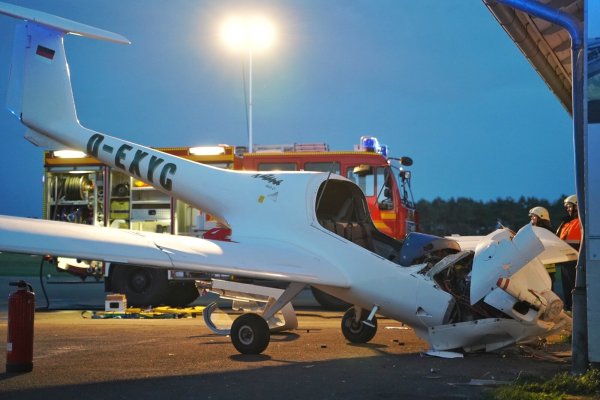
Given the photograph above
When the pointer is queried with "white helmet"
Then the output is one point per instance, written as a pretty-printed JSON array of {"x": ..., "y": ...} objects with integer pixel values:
[
  {"x": 540, "y": 212},
  {"x": 571, "y": 199}
]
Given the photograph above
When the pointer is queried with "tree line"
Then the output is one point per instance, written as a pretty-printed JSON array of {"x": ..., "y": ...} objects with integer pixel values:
[{"x": 465, "y": 216}]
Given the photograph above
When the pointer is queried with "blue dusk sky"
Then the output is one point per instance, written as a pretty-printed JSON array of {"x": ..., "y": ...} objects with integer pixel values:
[{"x": 439, "y": 81}]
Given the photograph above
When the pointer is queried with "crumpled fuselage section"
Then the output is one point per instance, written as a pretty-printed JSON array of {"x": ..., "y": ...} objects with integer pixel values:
[{"x": 517, "y": 301}]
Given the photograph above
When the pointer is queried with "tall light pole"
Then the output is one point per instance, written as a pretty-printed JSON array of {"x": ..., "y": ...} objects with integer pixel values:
[{"x": 249, "y": 33}]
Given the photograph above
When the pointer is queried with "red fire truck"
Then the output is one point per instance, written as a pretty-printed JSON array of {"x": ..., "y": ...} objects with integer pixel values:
[{"x": 80, "y": 189}]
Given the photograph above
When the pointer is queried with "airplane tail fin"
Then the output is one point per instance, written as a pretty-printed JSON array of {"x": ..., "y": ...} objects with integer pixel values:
[{"x": 40, "y": 91}]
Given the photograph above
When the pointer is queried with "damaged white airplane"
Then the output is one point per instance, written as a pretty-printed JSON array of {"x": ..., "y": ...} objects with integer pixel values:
[{"x": 315, "y": 229}]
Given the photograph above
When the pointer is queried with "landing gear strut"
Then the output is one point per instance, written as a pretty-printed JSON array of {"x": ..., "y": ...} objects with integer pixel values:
[{"x": 250, "y": 333}]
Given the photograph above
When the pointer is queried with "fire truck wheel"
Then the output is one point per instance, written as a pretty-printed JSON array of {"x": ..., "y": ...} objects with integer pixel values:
[
  {"x": 357, "y": 332},
  {"x": 142, "y": 286},
  {"x": 181, "y": 294},
  {"x": 329, "y": 302},
  {"x": 250, "y": 334}
]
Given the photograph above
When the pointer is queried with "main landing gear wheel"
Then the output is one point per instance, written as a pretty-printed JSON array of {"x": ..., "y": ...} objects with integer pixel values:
[
  {"x": 357, "y": 332},
  {"x": 250, "y": 334},
  {"x": 143, "y": 286}
]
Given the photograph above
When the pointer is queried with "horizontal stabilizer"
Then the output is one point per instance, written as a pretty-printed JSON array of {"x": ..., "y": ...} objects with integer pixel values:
[{"x": 60, "y": 24}]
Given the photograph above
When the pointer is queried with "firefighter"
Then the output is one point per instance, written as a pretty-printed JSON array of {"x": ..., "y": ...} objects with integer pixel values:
[
  {"x": 569, "y": 231},
  {"x": 541, "y": 217}
]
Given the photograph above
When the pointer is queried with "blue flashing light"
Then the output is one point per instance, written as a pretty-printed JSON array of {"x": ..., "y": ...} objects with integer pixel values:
[
  {"x": 383, "y": 150},
  {"x": 369, "y": 143}
]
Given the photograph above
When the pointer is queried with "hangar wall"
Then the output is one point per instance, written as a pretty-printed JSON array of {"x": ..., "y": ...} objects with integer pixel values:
[{"x": 592, "y": 176}]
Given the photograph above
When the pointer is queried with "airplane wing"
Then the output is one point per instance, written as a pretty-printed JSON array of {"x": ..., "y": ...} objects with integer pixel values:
[
  {"x": 555, "y": 250},
  {"x": 466, "y": 242},
  {"x": 254, "y": 257}
]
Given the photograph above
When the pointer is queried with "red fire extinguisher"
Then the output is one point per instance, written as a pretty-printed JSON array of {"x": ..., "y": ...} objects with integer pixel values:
[{"x": 19, "y": 344}]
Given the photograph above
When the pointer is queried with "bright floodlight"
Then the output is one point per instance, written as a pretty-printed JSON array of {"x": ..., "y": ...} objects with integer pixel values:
[
  {"x": 207, "y": 150},
  {"x": 69, "y": 154},
  {"x": 252, "y": 33}
]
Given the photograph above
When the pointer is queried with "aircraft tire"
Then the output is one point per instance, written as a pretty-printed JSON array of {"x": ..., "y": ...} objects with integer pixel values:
[
  {"x": 250, "y": 334},
  {"x": 143, "y": 286},
  {"x": 358, "y": 332}
]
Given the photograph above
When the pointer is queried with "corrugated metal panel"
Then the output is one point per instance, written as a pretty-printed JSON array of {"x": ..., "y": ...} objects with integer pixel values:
[{"x": 545, "y": 45}]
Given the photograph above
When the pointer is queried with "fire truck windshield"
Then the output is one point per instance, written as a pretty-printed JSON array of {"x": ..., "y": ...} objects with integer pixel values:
[{"x": 363, "y": 176}]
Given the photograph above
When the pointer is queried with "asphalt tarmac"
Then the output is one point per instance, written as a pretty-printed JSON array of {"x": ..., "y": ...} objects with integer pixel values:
[{"x": 79, "y": 357}]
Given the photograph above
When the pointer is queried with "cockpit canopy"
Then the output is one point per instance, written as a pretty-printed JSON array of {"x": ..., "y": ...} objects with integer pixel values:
[{"x": 342, "y": 209}]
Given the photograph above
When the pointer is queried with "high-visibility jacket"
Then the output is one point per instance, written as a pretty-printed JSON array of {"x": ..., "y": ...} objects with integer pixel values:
[{"x": 570, "y": 232}]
